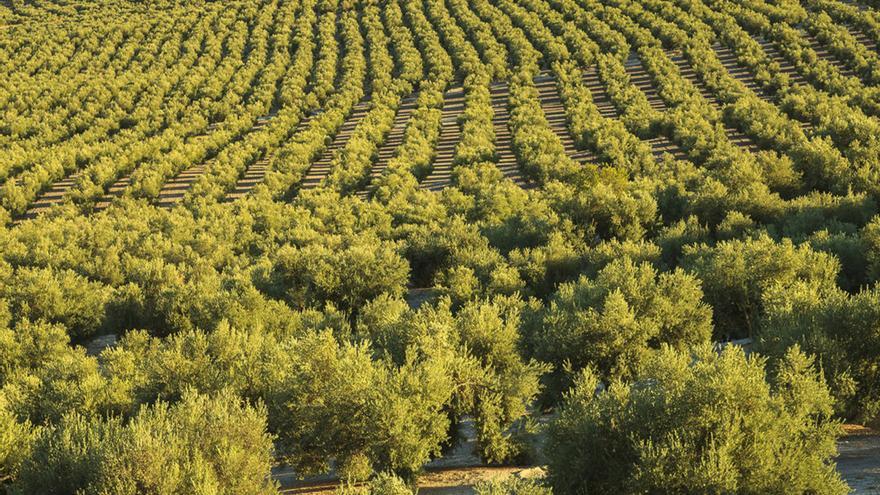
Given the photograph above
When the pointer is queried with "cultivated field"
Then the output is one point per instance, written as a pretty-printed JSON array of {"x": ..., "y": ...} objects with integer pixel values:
[{"x": 632, "y": 244}]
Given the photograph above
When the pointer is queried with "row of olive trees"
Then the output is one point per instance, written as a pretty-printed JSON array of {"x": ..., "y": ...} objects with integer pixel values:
[
  {"x": 382, "y": 393},
  {"x": 378, "y": 396},
  {"x": 287, "y": 319},
  {"x": 704, "y": 422},
  {"x": 140, "y": 126}
]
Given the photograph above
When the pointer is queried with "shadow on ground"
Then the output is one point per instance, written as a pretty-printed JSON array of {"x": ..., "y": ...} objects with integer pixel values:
[{"x": 858, "y": 461}]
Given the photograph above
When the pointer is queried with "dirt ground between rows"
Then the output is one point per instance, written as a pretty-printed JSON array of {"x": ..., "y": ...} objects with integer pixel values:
[
  {"x": 858, "y": 459},
  {"x": 452, "y": 481}
]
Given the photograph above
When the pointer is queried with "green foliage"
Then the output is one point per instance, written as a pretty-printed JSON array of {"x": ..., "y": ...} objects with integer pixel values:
[
  {"x": 490, "y": 332},
  {"x": 16, "y": 439},
  {"x": 616, "y": 207},
  {"x": 736, "y": 274},
  {"x": 492, "y": 381},
  {"x": 705, "y": 422},
  {"x": 871, "y": 238},
  {"x": 512, "y": 486},
  {"x": 42, "y": 377},
  {"x": 327, "y": 397},
  {"x": 388, "y": 484},
  {"x": 143, "y": 369},
  {"x": 58, "y": 296},
  {"x": 350, "y": 274},
  {"x": 201, "y": 445},
  {"x": 612, "y": 322},
  {"x": 248, "y": 190},
  {"x": 341, "y": 404},
  {"x": 836, "y": 327},
  {"x": 381, "y": 484}
]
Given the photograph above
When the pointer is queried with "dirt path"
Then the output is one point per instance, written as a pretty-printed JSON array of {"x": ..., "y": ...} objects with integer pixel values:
[
  {"x": 452, "y": 481},
  {"x": 858, "y": 460}
]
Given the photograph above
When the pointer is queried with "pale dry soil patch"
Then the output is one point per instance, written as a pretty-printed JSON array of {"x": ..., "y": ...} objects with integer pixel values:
[
  {"x": 450, "y": 481},
  {"x": 858, "y": 459}
]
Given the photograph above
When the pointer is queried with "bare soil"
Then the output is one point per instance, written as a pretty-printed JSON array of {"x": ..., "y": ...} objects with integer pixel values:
[
  {"x": 451, "y": 481},
  {"x": 858, "y": 459}
]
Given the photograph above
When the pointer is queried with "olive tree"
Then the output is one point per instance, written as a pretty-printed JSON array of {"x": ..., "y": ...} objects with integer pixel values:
[
  {"x": 698, "y": 422},
  {"x": 16, "y": 438},
  {"x": 736, "y": 273},
  {"x": 839, "y": 328},
  {"x": 612, "y": 321},
  {"x": 200, "y": 445}
]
